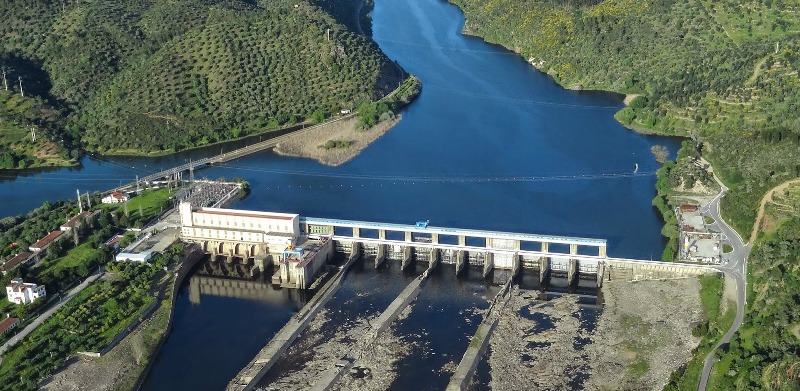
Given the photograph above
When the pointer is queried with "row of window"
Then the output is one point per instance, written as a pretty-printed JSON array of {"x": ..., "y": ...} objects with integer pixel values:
[{"x": 236, "y": 224}]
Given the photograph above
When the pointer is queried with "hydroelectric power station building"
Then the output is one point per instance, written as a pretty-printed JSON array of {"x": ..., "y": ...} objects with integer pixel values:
[{"x": 264, "y": 238}]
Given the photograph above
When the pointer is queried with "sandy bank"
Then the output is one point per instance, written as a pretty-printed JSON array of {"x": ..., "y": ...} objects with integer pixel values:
[
  {"x": 629, "y": 98},
  {"x": 309, "y": 144}
]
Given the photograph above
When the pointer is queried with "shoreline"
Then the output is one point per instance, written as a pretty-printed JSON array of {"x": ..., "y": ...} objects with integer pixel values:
[
  {"x": 308, "y": 145},
  {"x": 626, "y": 97}
]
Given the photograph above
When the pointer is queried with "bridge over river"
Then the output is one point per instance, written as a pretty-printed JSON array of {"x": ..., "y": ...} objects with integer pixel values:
[{"x": 177, "y": 171}]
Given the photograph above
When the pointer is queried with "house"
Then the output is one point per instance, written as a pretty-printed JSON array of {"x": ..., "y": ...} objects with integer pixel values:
[
  {"x": 20, "y": 292},
  {"x": 45, "y": 241},
  {"x": 115, "y": 197},
  {"x": 8, "y": 324},
  {"x": 688, "y": 208},
  {"x": 73, "y": 222},
  {"x": 17, "y": 260},
  {"x": 113, "y": 243}
]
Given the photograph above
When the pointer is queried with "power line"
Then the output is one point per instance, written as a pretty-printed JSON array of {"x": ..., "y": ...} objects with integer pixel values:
[{"x": 447, "y": 178}]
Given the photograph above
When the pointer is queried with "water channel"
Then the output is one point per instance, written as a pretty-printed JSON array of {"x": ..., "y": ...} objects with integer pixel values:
[{"x": 484, "y": 117}]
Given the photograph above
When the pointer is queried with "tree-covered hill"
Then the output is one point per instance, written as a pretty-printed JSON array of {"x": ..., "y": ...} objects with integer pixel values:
[
  {"x": 705, "y": 68},
  {"x": 159, "y": 75}
]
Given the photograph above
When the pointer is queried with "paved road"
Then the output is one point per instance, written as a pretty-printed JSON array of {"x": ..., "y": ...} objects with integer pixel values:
[
  {"x": 734, "y": 266},
  {"x": 42, "y": 317}
]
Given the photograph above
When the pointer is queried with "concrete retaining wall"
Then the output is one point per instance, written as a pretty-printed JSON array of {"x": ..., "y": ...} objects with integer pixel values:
[
  {"x": 191, "y": 258},
  {"x": 632, "y": 270}
]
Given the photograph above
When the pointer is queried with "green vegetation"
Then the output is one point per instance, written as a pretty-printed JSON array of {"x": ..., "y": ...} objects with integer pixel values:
[
  {"x": 78, "y": 252},
  {"x": 133, "y": 77},
  {"x": 141, "y": 208},
  {"x": 707, "y": 69},
  {"x": 370, "y": 113},
  {"x": 18, "y": 117},
  {"x": 17, "y": 233},
  {"x": 88, "y": 323},
  {"x": 765, "y": 353},
  {"x": 638, "y": 368},
  {"x": 334, "y": 144}
]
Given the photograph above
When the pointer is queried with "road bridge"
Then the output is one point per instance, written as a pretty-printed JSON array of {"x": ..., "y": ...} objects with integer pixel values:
[{"x": 174, "y": 173}]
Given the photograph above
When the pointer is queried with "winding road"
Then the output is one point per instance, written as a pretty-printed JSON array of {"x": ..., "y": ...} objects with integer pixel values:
[{"x": 734, "y": 264}]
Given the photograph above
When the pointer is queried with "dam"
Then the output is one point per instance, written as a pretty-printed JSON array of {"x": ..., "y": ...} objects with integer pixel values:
[
  {"x": 246, "y": 243},
  {"x": 297, "y": 247}
]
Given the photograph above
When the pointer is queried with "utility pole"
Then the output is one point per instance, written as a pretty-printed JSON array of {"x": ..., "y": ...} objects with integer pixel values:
[
  {"x": 328, "y": 32},
  {"x": 20, "y": 86},
  {"x": 80, "y": 204},
  {"x": 5, "y": 81},
  {"x": 137, "y": 184},
  {"x": 88, "y": 200},
  {"x": 777, "y": 46},
  {"x": 33, "y": 133}
]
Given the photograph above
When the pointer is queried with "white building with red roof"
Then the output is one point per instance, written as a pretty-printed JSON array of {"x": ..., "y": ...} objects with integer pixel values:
[
  {"x": 19, "y": 292},
  {"x": 8, "y": 324},
  {"x": 115, "y": 197},
  {"x": 45, "y": 241}
]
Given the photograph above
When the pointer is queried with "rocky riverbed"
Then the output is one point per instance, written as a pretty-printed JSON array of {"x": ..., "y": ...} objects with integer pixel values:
[
  {"x": 316, "y": 352},
  {"x": 641, "y": 336}
]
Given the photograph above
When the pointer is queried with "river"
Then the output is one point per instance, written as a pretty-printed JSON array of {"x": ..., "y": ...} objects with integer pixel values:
[{"x": 484, "y": 118}]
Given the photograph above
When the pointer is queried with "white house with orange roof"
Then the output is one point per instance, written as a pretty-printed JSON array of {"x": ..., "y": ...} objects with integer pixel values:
[{"x": 19, "y": 292}]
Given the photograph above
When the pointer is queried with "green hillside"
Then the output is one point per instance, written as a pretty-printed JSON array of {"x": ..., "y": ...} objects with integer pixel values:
[
  {"x": 704, "y": 68},
  {"x": 155, "y": 76}
]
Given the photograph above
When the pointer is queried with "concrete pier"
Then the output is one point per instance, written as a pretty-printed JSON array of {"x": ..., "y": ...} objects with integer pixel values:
[
  {"x": 407, "y": 257},
  {"x": 434, "y": 258},
  {"x": 517, "y": 266},
  {"x": 381, "y": 257},
  {"x": 572, "y": 272},
  {"x": 488, "y": 264},
  {"x": 355, "y": 251},
  {"x": 477, "y": 345},
  {"x": 601, "y": 273},
  {"x": 544, "y": 270},
  {"x": 460, "y": 261},
  {"x": 330, "y": 377}
]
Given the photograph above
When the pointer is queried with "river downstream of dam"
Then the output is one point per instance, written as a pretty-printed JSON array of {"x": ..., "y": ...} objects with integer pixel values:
[{"x": 485, "y": 118}]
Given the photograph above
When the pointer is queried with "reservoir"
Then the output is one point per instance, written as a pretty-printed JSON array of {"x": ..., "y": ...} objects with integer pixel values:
[
  {"x": 484, "y": 119},
  {"x": 484, "y": 116}
]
